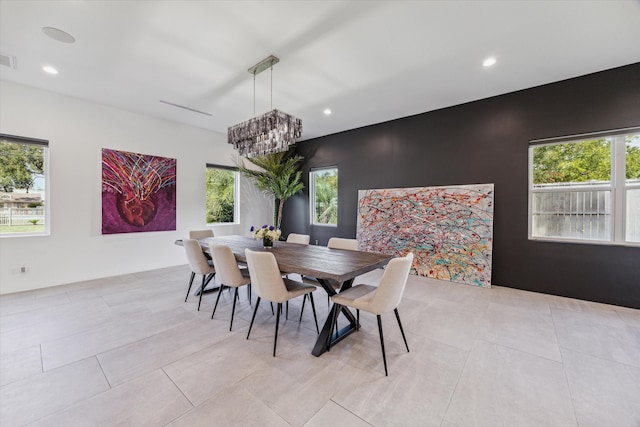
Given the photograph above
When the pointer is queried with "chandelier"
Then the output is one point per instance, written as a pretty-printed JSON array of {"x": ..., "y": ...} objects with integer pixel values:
[{"x": 268, "y": 133}]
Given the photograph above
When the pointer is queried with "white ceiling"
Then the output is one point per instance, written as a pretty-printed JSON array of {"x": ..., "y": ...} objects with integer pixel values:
[{"x": 367, "y": 61}]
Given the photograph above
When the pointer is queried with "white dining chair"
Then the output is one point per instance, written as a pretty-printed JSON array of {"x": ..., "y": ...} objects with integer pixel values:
[
  {"x": 229, "y": 275},
  {"x": 342, "y": 243},
  {"x": 301, "y": 239},
  {"x": 199, "y": 265},
  {"x": 378, "y": 300},
  {"x": 200, "y": 234},
  {"x": 269, "y": 284}
]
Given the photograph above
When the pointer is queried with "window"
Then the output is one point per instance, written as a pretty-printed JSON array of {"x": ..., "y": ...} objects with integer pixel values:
[
  {"x": 222, "y": 194},
  {"x": 23, "y": 186},
  {"x": 324, "y": 196},
  {"x": 586, "y": 189}
]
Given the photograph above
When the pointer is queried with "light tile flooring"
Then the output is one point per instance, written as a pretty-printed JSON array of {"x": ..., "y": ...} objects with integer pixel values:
[{"x": 128, "y": 350}]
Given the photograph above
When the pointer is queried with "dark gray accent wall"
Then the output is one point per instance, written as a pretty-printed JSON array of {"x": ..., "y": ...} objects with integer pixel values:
[{"x": 487, "y": 141}]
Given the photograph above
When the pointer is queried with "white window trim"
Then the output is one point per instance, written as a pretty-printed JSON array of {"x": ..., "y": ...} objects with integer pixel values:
[
  {"x": 236, "y": 195},
  {"x": 312, "y": 196},
  {"x": 47, "y": 186},
  {"x": 618, "y": 187}
]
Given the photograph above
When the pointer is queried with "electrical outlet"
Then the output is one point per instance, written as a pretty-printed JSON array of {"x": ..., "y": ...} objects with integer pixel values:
[{"x": 23, "y": 268}]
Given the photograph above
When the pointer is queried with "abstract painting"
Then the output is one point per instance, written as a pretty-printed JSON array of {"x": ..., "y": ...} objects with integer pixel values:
[
  {"x": 138, "y": 192},
  {"x": 448, "y": 229}
]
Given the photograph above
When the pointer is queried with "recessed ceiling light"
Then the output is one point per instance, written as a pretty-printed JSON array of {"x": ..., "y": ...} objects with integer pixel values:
[
  {"x": 489, "y": 62},
  {"x": 59, "y": 35},
  {"x": 327, "y": 111},
  {"x": 49, "y": 69}
]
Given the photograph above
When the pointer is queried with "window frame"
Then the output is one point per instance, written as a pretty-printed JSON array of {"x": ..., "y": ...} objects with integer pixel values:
[
  {"x": 312, "y": 194},
  {"x": 617, "y": 186},
  {"x": 236, "y": 194},
  {"x": 23, "y": 140}
]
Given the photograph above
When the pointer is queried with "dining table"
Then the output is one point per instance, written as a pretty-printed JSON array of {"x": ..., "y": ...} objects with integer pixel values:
[{"x": 333, "y": 269}]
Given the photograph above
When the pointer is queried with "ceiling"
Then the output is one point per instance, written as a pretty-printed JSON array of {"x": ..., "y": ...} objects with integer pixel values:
[{"x": 368, "y": 61}]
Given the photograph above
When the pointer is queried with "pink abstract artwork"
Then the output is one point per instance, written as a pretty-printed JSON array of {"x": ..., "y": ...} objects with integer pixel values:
[
  {"x": 448, "y": 229},
  {"x": 138, "y": 192}
]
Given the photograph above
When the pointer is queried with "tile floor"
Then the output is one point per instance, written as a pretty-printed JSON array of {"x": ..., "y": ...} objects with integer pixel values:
[{"x": 128, "y": 350}]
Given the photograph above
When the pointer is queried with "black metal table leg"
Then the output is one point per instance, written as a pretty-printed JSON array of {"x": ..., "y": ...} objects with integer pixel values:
[
  {"x": 206, "y": 283},
  {"x": 327, "y": 329}
]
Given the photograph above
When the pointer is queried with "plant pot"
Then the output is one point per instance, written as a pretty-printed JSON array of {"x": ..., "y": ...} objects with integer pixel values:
[{"x": 267, "y": 243}]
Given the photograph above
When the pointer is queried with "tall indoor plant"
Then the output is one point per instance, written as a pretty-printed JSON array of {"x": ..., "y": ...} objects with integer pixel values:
[{"x": 279, "y": 176}]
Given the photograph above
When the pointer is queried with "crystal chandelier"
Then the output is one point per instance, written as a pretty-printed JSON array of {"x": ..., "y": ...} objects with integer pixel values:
[{"x": 268, "y": 133}]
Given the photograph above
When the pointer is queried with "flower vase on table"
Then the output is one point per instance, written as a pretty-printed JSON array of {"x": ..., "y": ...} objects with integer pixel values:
[{"x": 268, "y": 233}]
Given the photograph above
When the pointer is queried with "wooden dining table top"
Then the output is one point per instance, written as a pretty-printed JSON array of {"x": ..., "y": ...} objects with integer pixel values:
[{"x": 320, "y": 262}]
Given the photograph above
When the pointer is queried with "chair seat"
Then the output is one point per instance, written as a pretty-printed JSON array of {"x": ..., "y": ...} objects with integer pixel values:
[
  {"x": 295, "y": 289},
  {"x": 308, "y": 280},
  {"x": 358, "y": 297},
  {"x": 245, "y": 276}
]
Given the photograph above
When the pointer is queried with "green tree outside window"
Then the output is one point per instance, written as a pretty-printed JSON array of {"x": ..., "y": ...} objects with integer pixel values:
[
  {"x": 326, "y": 196},
  {"x": 221, "y": 192}
]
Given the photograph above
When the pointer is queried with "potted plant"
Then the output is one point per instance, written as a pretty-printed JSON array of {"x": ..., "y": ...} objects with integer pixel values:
[{"x": 279, "y": 176}]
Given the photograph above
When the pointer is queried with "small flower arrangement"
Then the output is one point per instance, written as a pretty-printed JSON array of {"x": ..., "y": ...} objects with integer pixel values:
[{"x": 268, "y": 233}]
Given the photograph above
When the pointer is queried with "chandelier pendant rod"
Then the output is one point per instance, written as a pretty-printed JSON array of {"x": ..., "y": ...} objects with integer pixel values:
[{"x": 271, "y": 132}]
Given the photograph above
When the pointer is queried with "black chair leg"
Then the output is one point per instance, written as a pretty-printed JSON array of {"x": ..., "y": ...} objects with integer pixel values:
[
  {"x": 272, "y": 312},
  {"x": 255, "y": 310},
  {"x": 275, "y": 338},
  {"x": 217, "y": 299},
  {"x": 313, "y": 307},
  {"x": 287, "y": 315},
  {"x": 384, "y": 356},
  {"x": 401, "y": 330},
  {"x": 233, "y": 310},
  {"x": 193, "y": 275},
  {"x": 357, "y": 319},
  {"x": 201, "y": 291},
  {"x": 304, "y": 299},
  {"x": 205, "y": 281}
]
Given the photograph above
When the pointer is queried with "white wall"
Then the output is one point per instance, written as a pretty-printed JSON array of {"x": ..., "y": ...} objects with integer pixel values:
[{"x": 77, "y": 130}]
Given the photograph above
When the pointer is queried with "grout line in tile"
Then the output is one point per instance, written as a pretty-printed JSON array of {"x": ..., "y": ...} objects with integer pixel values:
[
  {"x": 560, "y": 346},
  {"x": 355, "y": 415},
  {"x": 41, "y": 359},
  {"x": 453, "y": 392},
  {"x": 103, "y": 373},
  {"x": 178, "y": 387},
  {"x": 621, "y": 318},
  {"x": 617, "y": 362},
  {"x": 566, "y": 378},
  {"x": 519, "y": 350}
]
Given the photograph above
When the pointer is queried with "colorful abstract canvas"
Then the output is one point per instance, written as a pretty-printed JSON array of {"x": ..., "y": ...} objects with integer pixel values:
[
  {"x": 448, "y": 229},
  {"x": 138, "y": 192}
]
